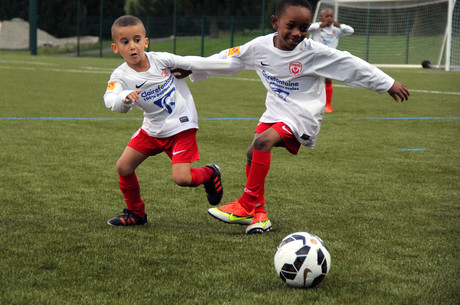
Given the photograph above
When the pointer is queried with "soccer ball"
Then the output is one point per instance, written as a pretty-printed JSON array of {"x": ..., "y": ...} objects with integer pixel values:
[{"x": 302, "y": 260}]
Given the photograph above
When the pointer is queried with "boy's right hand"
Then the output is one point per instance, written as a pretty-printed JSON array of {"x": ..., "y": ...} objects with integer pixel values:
[
  {"x": 399, "y": 90},
  {"x": 133, "y": 97}
]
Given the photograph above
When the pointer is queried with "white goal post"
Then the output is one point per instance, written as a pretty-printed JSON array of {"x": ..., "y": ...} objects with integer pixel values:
[{"x": 407, "y": 33}]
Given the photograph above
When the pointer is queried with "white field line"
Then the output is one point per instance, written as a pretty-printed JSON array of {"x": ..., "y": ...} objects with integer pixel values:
[
  {"x": 345, "y": 86},
  {"x": 108, "y": 71}
]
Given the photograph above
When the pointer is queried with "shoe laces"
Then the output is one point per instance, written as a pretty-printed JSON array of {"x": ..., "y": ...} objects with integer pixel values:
[
  {"x": 260, "y": 217},
  {"x": 127, "y": 214},
  {"x": 233, "y": 202}
]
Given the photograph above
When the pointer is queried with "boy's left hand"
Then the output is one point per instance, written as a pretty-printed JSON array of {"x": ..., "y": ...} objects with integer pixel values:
[{"x": 399, "y": 91}]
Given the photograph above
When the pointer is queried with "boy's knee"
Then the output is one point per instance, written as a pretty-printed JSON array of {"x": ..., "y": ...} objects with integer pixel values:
[
  {"x": 182, "y": 180},
  {"x": 124, "y": 169},
  {"x": 262, "y": 143},
  {"x": 181, "y": 174},
  {"x": 249, "y": 153}
]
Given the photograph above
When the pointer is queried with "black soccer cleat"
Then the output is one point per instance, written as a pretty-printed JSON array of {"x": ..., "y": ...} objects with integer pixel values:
[
  {"x": 128, "y": 218},
  {"x": 213, "y": 187}
]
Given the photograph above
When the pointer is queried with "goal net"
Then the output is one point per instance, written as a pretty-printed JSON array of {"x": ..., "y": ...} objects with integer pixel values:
[
  {"x": 454, "y": 46},
  {"x": 404, "y": 32}
]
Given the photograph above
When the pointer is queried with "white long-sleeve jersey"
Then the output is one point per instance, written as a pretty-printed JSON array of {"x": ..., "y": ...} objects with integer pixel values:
[
  {"x": 329, "y": 35},
  {"x": 167, "y": 103},
  {"x": 295, "y": 80}
]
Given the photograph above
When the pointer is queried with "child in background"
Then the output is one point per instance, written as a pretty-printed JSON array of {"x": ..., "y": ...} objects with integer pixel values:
[
  {"x": 328, "y": 32},
  {"x": 292, "y": 70},
  {"x": 170, "y": 118}
]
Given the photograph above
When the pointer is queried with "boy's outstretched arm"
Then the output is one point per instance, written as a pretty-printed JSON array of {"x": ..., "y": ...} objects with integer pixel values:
[{"x": 399, "y": 90}]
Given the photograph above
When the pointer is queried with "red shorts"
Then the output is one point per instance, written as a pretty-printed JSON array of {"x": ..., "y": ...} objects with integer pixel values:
[
  {"x": 289, "y": 140},
  {"x": 181, "y": 148}
]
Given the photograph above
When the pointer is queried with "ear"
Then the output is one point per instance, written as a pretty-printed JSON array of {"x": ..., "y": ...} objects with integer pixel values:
[
  {"x": 146, "y": 43},
  {"x": 274, "y": 21},
  {"x": 114, "y": 48}
]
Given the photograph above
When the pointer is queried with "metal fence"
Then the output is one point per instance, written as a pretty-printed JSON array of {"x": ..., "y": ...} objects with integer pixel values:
[{"x": 176, "y": 34}]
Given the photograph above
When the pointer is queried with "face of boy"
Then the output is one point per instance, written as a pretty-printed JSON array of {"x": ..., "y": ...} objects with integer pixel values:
[
  {"x": 292, "y": 27},
  {"x": 130, "y": 42},
  {"x": 327, "y": 17}
]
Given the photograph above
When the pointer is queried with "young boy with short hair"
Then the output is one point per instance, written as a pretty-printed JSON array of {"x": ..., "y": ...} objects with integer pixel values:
[
  {"x": 292, "y": 69},
  {"x": 170, "y": 118}
]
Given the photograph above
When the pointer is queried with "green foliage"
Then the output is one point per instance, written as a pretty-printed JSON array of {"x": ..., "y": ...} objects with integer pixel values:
[
  {"x": 132, "y": 7},
  {"x": 390, "y": 218}
]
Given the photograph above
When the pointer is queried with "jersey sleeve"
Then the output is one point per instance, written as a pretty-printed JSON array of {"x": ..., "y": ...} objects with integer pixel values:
[
  {"x": 351, "y": 70},
  {"x": 241, "y": 58},
  {"x": 314, "y": 28},
  {"x": 346, "y": 29},
  {"x": 315, "y": 32},
  {"x": 115, "y": 96},
  {"x": 214, "y": 65}
]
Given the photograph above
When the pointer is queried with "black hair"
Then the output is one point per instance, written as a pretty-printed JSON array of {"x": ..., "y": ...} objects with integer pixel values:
[
  {"x": 284, "y": 4},
  {"x": 126, "y": 20},
  {"x": 325, "y": 10}
]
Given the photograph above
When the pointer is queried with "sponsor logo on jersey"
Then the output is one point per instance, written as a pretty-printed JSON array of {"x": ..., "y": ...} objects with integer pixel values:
[
  {"x": 282, "y": 88},
  {"x": 281, "y": 93},
  {"x": 111, "y": 85},
  {"x": 163, "y": 95},
  {"x": 234, "y": 51},
  {"x": 295, "y": 68},
  {"x": 160, "y": 90}
]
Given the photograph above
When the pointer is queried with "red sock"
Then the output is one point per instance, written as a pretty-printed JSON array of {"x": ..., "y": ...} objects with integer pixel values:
[
  {"x": 255, "y": 183},
  {"x": 260, "y": 201},
  {"x": 328, "y": 94},
  {"x": 200, "y": 175},
  {"x": 129, "y": 185}
]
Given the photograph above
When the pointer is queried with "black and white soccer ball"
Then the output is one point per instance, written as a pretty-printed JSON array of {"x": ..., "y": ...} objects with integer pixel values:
[{"x": 302, "y": 260}]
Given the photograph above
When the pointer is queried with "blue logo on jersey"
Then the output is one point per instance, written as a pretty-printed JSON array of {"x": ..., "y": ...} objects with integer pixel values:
[
  {"x": 282, "y": 88},
  {"x": 283, "y": 94},
  {"x": 162, "y": 95},
  {"x": 167, "y": 101}
]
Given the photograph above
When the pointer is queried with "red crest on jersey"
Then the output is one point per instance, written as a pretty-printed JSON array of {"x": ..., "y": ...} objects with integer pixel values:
[
  {"x": 295, "y": 68},
  {"x": 164, "y": 74}
]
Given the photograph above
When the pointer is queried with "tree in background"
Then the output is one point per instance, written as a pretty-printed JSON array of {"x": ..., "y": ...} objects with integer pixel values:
[{"x": 10, "y": 9}]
